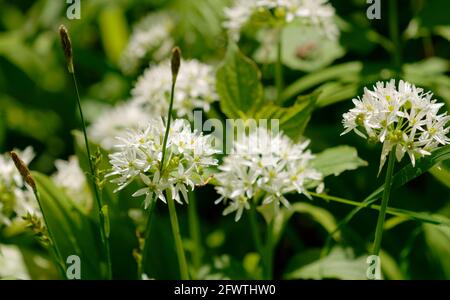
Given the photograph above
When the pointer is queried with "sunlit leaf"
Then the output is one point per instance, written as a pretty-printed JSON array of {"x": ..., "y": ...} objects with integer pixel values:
[
  {"x": 339, "y": 264},
  {"x": 336, "y": 160},
  {"x": 238, "y": 84}
]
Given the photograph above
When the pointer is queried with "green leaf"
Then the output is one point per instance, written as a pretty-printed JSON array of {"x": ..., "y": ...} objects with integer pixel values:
[
  {"x": 438, "y": 240},
  {"x": 334, "y": 161},
  {"x": 107, "y": 225},
  {"x": 293, "y": 119},
  {"x": 441, "y": 172},
  {"x": 114, "y": 31},
  {"x": 402, "y": 177},
  {"x": 389, "y": 267},
  {"x": 339, "y": 264},
  {"x": 74, "y": 233},
  {"x": 317, "y": 214},
  {"x": 334, "y": 92},
  {"x": 303, "y": 48},
  {"x": 411, "y": 172},
  {"x": 238, "y": 85},
  {"x": 350, "y": 71}
]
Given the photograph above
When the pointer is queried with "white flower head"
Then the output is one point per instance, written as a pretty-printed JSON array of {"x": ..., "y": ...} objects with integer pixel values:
[
  {"x": 70, "y": 177},
  {"x": 16, "y": 198},
  {"x": 114, "y": 123},
  {"x": 195, "y": 89},
  {"x": 266, "y": 166},
  {"x": 405, "y": 119},
  {"x": 151, "y": 37},
  {"x": 317, "y": 13},
  {"x": 139, "y": 155}
]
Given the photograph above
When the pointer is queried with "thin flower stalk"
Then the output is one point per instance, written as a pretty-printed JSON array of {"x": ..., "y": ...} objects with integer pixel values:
[{"x": 68, "y": 53}]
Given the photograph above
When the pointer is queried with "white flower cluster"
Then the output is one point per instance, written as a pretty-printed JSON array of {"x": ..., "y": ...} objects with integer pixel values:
[
  {"x": 264, "y": 166},
  {"x": 150, "y": 37},
  {"x": 404, "y": 119},
  {"x": 115, "y": 121},
  {"x": 139, "y": 155},
  {"x": 16, "y": 198},
  {"x": 318, "y": 13},
  {"x": 72, "y": 180},
  {"x": 195, "y": 89}
]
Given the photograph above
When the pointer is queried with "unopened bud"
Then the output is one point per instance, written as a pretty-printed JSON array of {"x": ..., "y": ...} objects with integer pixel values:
[
  {"x": 23, "y": 170},
  {"x": 67, "y": 47},
  {"x": 176, "y": 62}
]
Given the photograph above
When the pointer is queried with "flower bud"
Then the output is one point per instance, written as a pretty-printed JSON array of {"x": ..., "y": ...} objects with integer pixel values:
[
  {"x": 175, "y": 62},
  {"x": 23, "y": 170},
  {"x": 67, "y": 47}
]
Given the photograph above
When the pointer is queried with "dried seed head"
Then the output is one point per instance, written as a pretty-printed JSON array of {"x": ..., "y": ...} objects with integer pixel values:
[
  {"x": 23, "y": 170},
  {"x": 67, "y": 47},
  {"x": 175, "y": 63}
]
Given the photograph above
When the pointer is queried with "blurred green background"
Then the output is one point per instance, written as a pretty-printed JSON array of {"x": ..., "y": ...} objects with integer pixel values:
[{"x": 38, "y": 108}]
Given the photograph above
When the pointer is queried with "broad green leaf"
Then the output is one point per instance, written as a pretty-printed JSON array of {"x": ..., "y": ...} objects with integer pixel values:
[
  {"x": 293, "y": 119},
  {"x": 334, "y": 92},
  {"x": 303, "y": 48},
  {"x": 350, "y": 71},
  {"x": 441, "y": 172},
  {"x": 74, "y": 233},
  {"x": 339, "y": 264},
  {"x": 336, "y": 160},
  {"x": 438, "y": 241},
  {"x": 389, "y": 267},
  {"x": 238, "y": 85},
  {"x": 114, "y": 31},
  {"x": 317, "y": 214}
]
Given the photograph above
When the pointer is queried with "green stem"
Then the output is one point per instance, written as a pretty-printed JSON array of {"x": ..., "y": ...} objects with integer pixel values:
[
  {"x": 172, "y": 211},
  {"x": 195, "y": 232},
  {"x": 255, "y": 230},
  {"x": 104, "y": 238},
  {"x": 269, "y": 251},
  {"x": 58, "y": 257},
  {"x": 141, "y": 265},
  {"x": 390, "y": 210},
  {"x": 177, "y": 237},
  {"x": 148, "y": 226},
  {"x": 394, "y": 34},
  {"x": 169, "y": 117},
  {"x": 384, "y": 203},
  {"x": 279, "y": 69}
]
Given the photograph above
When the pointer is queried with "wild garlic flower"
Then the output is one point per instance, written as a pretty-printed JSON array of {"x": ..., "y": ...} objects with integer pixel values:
[
  {"x": 139, "y": 154},
  {"x": 16, "y": 198},
  {"x": 317, "y": 13},
  {"x": 195, "y": 89},
  {"x": 404, "y": 119},
  {"x": 264, "y": 166},
  {"x": 70, "y": 177},
  {"x": 115, "y": 121},
  {"x": 152, "y": 38}
]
